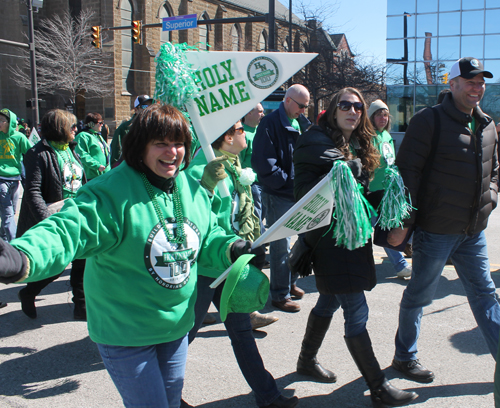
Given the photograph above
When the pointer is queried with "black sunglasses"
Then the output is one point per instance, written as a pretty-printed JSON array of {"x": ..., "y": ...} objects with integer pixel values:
[
  {"x": 346, "y": 106},
  {"x": 239, "y": 130},
  {"x": 300, "y": 105}
]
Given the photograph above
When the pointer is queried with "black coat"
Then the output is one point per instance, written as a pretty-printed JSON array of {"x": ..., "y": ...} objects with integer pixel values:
[
  {"x": 462, "y": 186},
  {"x": 337, "y": 269},
  {"x": 43, "y": 185}
]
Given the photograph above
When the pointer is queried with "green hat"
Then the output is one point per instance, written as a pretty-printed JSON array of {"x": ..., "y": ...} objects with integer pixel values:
[{"x": 246, "y": 288}]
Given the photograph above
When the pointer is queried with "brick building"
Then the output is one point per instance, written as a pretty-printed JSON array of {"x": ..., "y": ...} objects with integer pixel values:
[{"x": 133, "y": 64}]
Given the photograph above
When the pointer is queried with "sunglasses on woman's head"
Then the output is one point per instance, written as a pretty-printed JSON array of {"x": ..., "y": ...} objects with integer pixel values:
[{"x": 346, "y": 106}]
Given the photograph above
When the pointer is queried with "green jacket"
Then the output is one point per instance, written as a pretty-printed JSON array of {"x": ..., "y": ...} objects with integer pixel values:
[
  {"x": 116, "y": 142},
  {"x": 139, "y": 288},
  {"x": 13, "y": 146},
  {"x": 385, "y": 145},
  {"x": 93, "y": 151}
]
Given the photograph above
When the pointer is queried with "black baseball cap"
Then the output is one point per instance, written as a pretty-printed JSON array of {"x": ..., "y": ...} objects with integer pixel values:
[
  {"x": 468, "y": 68},
  {"x": 141, "y": 100}
]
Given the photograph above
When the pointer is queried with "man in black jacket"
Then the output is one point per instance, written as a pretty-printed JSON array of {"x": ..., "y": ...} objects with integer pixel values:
[
  {"x": 272, "y": 161},
  {"x": 460, "y": 192}
]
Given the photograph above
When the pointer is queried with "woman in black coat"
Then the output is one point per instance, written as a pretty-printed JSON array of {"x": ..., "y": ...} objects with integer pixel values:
[
  {"x": 53, "y": 173},
  {"x": 344, "y": 132}
]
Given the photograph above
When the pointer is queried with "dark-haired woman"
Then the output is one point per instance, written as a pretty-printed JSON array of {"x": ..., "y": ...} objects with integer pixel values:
[
  {"x": 53, "y": 173},
  {"x": 92, "y": 147},
  {"x": 344, "y": 132},
  {"x": 143, "y": 229}
]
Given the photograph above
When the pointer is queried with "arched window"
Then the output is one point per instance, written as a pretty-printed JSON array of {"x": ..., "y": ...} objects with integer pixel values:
[
  {"x": 126, "y": 36},
  {"x": 165, "y": 11},
  {"x": 204, "y": 32},
  {"x": 262, "y": 46},
  {"x": 235, "y": 38},
  {"x": 286, "y": 47}
]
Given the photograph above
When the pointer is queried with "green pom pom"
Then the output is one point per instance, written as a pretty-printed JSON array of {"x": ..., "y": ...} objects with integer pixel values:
[
  {"x": 353, "y": 228},
  {"x": 394, "y": 207},
  {"x": 175, "y": 79}
]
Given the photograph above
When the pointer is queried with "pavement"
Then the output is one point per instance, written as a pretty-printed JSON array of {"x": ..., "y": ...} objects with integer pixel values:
[{"x": 51, "y": 362}]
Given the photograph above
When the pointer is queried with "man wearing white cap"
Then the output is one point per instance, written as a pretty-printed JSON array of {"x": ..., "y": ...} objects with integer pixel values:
[
  {"x": 140, "y": 103},
  {"x": 458, "y": 141}
]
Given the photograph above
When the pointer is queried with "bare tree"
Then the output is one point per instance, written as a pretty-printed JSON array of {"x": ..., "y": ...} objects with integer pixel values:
[
  {"x": 67, "y": 63},
  {"x": 333, "y": 69}
]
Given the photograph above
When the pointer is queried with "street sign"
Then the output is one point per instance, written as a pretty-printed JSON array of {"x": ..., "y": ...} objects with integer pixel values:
[{"x": 179, "y": 22}]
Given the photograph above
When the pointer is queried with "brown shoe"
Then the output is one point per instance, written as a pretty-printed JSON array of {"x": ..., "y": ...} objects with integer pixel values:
[
  {"x": 259, "y": 320},
  {"x": 286, "y": 305},
  {"x": 296, "y": 292}
]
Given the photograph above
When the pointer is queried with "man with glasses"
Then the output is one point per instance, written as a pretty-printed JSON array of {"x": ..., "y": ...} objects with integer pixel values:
[
  {"x": 140, "y": 103},
  {"x": 460, "y": 192},
  {"x": 272, "y": 161}
]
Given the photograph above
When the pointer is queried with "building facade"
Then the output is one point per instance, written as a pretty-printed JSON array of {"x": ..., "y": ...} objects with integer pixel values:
[
  {"x": 425, "y": 38},
  {"x": 133, "y": 65}
]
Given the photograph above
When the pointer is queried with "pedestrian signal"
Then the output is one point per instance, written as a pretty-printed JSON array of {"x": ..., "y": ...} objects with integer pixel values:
[
  {"x": 96, "y": 36},
  {"x": 137, "y": 32}
]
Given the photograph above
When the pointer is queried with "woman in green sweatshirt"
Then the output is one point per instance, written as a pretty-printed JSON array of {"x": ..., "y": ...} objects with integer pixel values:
[{"x": 143, "y": 228}]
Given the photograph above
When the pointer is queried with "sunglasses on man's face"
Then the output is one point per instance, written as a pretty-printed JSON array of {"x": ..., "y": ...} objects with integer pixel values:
[
  {"x": 300, "y": 105},
  {"x": 346, "y": 106}
]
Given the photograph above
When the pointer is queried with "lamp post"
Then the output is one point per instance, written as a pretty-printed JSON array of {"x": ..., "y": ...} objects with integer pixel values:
[{"x": 34, "y": 86}]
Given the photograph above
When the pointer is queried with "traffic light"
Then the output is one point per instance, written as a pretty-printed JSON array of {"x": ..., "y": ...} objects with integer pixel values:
[
  {"x": 96, "y": 36},
  {"x": 137, "y": 32},
  {"x": 445, "y": 78}
]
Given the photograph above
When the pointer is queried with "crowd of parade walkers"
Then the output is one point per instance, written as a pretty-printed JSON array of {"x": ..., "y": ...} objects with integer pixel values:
[{"x": 147, "y": 211}]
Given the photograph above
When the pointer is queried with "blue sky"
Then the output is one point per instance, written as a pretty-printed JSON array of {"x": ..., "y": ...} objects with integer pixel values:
[{"x": 362, "y": 21}]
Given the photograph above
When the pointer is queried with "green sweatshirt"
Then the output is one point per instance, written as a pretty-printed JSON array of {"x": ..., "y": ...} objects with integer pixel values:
[
  {"x": 116, "y": 143},
  {"x": 93, "y": 151},
  {"x": 385, "y": 145},
  {"x": 246, "y": 154},
  {"x": 139, "y": 288},
  {"x": 13, "y": 145}
]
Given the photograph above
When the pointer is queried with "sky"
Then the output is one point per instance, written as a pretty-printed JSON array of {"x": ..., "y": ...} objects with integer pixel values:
[{"x": 362, "y": 21}]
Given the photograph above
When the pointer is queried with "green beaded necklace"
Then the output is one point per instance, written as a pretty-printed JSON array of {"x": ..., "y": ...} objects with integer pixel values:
[{"x": 179, "y": 216}]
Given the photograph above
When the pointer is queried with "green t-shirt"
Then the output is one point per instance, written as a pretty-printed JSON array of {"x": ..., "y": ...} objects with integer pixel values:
[
  {"x": 384, "y": 143},
  {"x": 246, "y": 155},
  {"x": 295, "y": 124}
]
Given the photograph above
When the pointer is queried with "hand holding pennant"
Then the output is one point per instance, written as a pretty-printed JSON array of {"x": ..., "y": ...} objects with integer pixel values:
[
  {"x": 228, "y": 85},
  {"x": 312, "y": 211}
]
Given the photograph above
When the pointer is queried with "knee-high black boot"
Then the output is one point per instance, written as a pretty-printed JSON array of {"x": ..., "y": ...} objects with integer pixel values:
[
  {"x": 307, "y": 363},
  {"x": 382, "y": 392}
]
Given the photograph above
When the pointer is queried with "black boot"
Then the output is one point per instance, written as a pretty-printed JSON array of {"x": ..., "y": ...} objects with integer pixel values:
[
  {"x": 28, "y": 294},
  {"x": 382, "y": 392},
  {"x": 307, "y": 363},
  {"x": 76, "y": 280}
]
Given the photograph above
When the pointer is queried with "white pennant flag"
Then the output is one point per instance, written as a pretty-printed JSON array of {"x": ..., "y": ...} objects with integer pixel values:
[
  {"x": 34, "y": 138},
  {"x": 312, "y": 211},
  {"x": 232, "y": 83}
]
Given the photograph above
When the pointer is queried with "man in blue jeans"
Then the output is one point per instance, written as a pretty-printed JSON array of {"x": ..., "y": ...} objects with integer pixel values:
[
  {"x": 453, "y": 205},
  {"x": 272, "y": 160}
]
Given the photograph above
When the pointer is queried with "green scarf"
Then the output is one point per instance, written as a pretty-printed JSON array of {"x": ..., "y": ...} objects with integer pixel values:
[{"x": 247, "y": 220}]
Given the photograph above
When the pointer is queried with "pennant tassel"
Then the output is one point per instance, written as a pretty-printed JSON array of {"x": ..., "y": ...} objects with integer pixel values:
[
  {"x": 395, "y": 206},
  {"x": 353, "y": 228}
]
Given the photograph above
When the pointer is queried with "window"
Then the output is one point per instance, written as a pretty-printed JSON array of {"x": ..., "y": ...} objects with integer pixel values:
[
  {"x": 165, "y": 11},
  {"x": 473, "y": 22},
  {"x": 262, "y": 46},
  {"x": 235, "y": 35},
  {"x": 126, "y": 37},
  {"x": 204, "y": 33}
]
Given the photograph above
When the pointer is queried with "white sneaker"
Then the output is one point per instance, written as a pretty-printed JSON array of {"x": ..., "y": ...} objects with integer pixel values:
[{"x": 404, "y": 273}]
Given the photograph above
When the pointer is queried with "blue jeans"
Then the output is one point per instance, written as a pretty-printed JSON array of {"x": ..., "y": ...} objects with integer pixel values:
[
  {"x": 470, "y": 257},
  {"x": 148, "y": 376},
  {"x": 8, "y": 203},
  {"x": 354, "y": 306},
  {"x": 397, "y": 259},
  {"x": 245, "y": 349},
  {"x": 259, "y": 209},
  {"x": 281, "y": 277}
]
